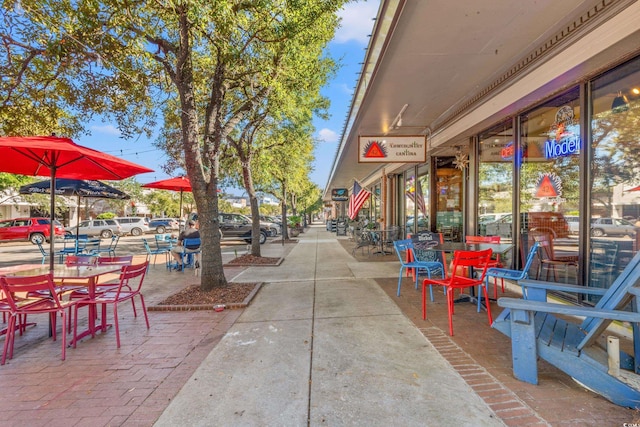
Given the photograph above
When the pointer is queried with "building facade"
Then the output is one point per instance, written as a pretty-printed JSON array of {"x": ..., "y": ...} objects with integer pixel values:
[{"x": 530, "y": 115}]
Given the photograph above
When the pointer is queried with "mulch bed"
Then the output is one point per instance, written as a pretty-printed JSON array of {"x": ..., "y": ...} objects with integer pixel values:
[
  {"x": 250, "y": 260},
  {"x": 233, "y": 293}
]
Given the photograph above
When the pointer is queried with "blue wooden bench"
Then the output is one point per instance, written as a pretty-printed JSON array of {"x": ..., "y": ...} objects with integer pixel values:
[{"x": 539, "y": 328}]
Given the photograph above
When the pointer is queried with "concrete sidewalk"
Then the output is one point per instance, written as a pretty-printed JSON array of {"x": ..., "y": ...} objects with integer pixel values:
[{"x": 323, "y": 344}]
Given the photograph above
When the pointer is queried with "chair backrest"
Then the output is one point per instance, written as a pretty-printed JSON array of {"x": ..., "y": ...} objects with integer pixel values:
[
  {"x": 43, "y": 252},
  {"x": 131, "y": 277},
  {"x": 146, "y": 245},
  {"x": 530, "y": 257},
  {"x": 80, "y": 260},
  {"x": 15, "y": 287},
  {"x": 115, "y": 260},
  {"x": 478, "y": 260},
  {"x": 114, "y": 242},
  {"x": 402, "y": 247},
  {"x": 482, "y": 239},
  {"x": 546, "y": 244},
  {"x": 191, "y": 243}
]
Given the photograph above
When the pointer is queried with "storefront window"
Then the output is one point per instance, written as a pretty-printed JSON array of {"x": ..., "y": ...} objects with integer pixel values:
[
  {"x": 615, "y": 174},
  {"x": 495, "y": 183},
  {"x": 449, "y": 198},
  {"x": 416, "y": 197},
  {"x": 549, "y": 160}
]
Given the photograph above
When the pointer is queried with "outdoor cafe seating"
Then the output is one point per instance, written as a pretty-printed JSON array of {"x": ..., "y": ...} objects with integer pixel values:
[{"x": 21, "y": 300}]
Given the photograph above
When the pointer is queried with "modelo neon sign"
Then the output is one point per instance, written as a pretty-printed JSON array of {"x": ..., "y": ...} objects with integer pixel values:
[
  {"x": 563, "y": 141},
  {"x": 565, "y": 147}
]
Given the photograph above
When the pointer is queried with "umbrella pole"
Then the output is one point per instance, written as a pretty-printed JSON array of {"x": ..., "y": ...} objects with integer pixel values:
[
  {"x": 180, "y": 227},
  {"x": 52, "y": 215},
  {"x": 78, "y": 219}
]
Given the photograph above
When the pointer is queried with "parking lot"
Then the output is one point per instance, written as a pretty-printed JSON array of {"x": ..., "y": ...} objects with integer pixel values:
[{"x": 15, "y": 253}]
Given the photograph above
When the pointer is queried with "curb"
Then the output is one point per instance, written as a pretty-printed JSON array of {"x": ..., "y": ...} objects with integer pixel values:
[{"x": 192, "y": 307}]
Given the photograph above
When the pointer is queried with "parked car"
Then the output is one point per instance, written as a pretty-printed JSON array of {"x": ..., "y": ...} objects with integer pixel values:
[
  {"x": 490, "y": 217},
  {"x": 423, "y": 223},
  {"x": 549, "y": 222},
  {"x": 36, "y": 230},
  {"x": 134, "y": 225},
  {"x": 574, "y": 223},
  {"x": 239, "y": 226},
  {"x": 271, "y": 224},
  {"x": 161, "y": 225},
  {"x": 105, "y": 228},
  {"x": 612, "y": 227}
]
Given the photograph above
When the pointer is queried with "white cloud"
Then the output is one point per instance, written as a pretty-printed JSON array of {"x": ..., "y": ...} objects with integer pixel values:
[
  {"x": 346, "y": 89},
  {"x": 357, "y": 21},
  {"x": 107, "y": 129},
  {"x": 327, "y": 135}
]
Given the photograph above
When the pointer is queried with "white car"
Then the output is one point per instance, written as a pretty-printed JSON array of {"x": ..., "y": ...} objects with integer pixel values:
[{"x": 134, "y": 225}]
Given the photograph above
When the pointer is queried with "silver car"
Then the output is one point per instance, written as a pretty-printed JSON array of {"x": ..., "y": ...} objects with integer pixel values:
[{"x": 105, "y": 228}]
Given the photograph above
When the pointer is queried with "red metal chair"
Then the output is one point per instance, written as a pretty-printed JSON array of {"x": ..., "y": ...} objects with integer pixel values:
[
  {"x": 129, "y": 286},
  {"x": 462, "y": 261},
  {"x": 494, "y": 263},
  {"x": 15, "y": 289}
]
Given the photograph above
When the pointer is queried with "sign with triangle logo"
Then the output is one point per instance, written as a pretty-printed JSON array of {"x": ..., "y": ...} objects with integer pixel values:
[
  {"x": 392, "y": 149},
  {"x": 374, "y": 150},
  {"x": 546, "y": 188}
]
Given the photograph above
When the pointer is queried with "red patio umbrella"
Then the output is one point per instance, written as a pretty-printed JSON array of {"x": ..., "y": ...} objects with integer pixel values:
[
  {"x": 59, "y": 157},
  {"x": 634, "y": 188},
  {"x": 179, "y": 183}
]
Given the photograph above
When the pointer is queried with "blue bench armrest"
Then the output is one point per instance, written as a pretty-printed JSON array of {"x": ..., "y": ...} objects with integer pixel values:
[
  {"x": 554, "y": 286},
  {"x": 570, "y": 310}
]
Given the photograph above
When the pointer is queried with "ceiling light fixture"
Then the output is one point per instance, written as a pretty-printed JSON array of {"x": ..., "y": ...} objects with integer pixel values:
[{"x": 397, "y": 122}]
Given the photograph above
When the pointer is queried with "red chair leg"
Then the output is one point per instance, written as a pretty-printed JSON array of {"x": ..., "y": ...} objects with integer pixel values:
[{"x": 450, "y": 309}]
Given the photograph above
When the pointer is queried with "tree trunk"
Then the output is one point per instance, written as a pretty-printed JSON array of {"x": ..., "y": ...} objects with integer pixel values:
[
  {"x": 205, "y": 191},
  {"x": 255, "y": 209}
]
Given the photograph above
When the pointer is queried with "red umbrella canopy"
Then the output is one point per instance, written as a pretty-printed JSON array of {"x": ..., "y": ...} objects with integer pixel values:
[
  {"x": 634, "y": 188},
  {"x": 58, "y": 157},
  {"x": 52, "y": 155},
  {"x": 179, "y": 183}
]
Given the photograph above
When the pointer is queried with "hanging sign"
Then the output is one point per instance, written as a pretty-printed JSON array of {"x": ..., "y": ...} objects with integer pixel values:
[
  {"x": 339, "y": 194},
  {"x": 392, "y": 149}
]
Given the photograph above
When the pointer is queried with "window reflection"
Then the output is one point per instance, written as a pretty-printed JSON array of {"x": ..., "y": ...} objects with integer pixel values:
[{"x": 615, "y": 201}]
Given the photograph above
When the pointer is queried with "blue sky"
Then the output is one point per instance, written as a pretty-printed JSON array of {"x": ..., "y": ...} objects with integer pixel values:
[{"x": 347, "y": 47}]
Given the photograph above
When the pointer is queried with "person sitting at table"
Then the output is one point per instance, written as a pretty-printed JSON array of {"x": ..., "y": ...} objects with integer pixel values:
[{"x": 178, "y": 251}]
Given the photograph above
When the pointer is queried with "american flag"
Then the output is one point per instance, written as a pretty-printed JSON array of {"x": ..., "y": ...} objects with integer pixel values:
[
  {"x": 414, "y": 192},
  {"x": 357, "y": 199}
]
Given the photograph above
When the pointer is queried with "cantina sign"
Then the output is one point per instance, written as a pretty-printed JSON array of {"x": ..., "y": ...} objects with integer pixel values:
[
  {"x": 564, "y": 135},
  {"x": 392, "y": 149}
]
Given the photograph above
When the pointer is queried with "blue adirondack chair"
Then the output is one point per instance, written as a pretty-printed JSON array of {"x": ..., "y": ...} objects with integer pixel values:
[
  {"x": 505, "y": 273},
  {"x": 536, "y": 332}
]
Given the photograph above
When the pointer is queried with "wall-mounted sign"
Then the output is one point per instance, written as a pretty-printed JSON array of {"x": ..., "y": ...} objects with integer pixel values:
[
  {"x": 339, "y": 194},
  {"x": 392, "y": 149}
]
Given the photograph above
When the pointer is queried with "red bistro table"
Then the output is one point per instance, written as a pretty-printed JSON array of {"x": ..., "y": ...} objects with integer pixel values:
[{"x": 90, "y": 274}]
